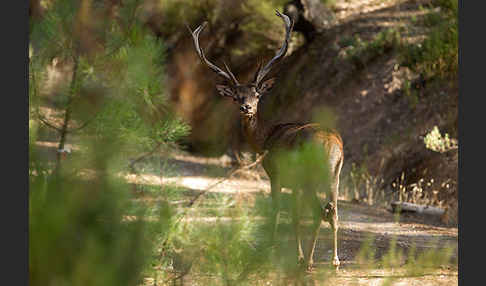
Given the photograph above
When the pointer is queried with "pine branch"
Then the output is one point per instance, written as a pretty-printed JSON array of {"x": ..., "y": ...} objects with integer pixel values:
[
  {"x": 45, "y": 122},
  {"x": 130, "y": 25}
]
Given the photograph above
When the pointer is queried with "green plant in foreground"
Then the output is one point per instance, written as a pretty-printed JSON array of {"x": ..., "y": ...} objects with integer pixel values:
[
  {"x": 84, "y": 229},
  {"x": 398, "y": 262},
  {"x": 77, "y": 231}
]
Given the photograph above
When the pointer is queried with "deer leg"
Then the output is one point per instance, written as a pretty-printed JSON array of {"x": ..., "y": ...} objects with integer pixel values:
[
  {"x": 334, "y": 226},
  {"x": 316, "y": 226},
  {"x": 331, "y": 213},
  {"x": 335, "y": 191},
  {"x": 296, "y": 222},
  {"x": 331, "y": 216}
]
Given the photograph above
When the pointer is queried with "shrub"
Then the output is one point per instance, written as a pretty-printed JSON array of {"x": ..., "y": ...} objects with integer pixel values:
[
  {"x": 437, "y": 55},
  {"x": 435, "y": 142}
]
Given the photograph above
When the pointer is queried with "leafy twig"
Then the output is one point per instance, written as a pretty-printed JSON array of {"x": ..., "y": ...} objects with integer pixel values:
[{"x": 47, "y": 123}]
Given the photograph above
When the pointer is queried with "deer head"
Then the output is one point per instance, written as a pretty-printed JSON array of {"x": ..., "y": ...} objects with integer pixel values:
[{"x": 246, "y": 95}]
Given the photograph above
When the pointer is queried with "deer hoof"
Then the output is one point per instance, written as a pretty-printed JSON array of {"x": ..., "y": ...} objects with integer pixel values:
[
  {"x": 309, "y": 268},
  {"x": 336, "y": 263}
]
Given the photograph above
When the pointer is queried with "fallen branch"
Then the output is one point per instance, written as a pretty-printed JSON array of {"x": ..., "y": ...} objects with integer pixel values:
[
  {"x": 400, "y": 207},
  {"x": 231, "y": 174}
]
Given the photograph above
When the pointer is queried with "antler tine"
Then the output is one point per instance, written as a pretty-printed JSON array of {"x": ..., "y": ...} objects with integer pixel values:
[
  {"x": 260, "y": 64},
  {"x": 195, "y": 37},
  {"x": 289, "y": 24},
  {"x": 231, "y": 74}
]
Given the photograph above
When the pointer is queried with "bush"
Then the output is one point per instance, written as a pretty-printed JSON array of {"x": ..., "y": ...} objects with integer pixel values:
[
  {"x": 437, "y": 55},
  {"x": 361, "y": 52}
]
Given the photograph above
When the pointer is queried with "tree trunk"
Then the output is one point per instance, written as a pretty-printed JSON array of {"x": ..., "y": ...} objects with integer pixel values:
[{"x": 67, "y": 114}]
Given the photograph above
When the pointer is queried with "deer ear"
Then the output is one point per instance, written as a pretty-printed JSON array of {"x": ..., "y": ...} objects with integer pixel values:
[
  {"x": 225, "y": 90},
  {"x": 266, "y": 86}
]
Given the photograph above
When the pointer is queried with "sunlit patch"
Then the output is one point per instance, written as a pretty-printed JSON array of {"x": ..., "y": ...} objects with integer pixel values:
[
  {"x": 201, "y": 183},
  {"x": 50, "y": 144}
]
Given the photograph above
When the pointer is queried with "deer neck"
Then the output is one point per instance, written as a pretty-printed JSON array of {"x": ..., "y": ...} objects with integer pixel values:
[{"x": 255, "y": 131}]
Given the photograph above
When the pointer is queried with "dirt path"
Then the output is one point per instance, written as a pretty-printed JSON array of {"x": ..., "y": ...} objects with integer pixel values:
[{"x": 358, "y": 224}]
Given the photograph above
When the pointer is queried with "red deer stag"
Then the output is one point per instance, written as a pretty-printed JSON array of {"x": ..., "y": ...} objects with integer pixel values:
[{"x": 288, "y": 137}]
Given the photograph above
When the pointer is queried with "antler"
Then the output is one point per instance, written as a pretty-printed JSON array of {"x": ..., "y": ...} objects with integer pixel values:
[
  {"x": 195, "y": 36},
  {"x": 289, "y": 24}
]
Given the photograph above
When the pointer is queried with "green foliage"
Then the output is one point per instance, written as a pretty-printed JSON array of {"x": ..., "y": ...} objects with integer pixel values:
[
  {"x": 304, "y": 167},
  {"x": 226, "y": 246},
  {"x": 136, "y": 98},
  {"x": 33, "y": 125},
  {"x": 394, "y": 257},
  {"x": 218, "y": 243},
  {"x": 437, "y": 55},
  {"x": 53, "y": 36},
  {"x": 178, "y": 13},
  {"x": 450, "y": 6},
  {"x": 414, "y": 263},
  {"x": 77, "y": 234},
  {"x": 360, "y": 52},
  {"x": 364, "y": 187},
  {"x": 367, "y": 253},
  {"x": 117, "y": 89},
  {"x": 412, "y": 95},
  {"x": 256, "y": 19},
  {"x": 260, "y": 25},
  {"x": 329, "y": 3},
  {"x": 357, "y": 175},
  {"x": 262, "y": 16},
  {"x": 429, "y": 259}
]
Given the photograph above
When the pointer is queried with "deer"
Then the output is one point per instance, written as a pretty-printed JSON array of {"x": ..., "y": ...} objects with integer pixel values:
[{"x": 272, "y": 139}]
